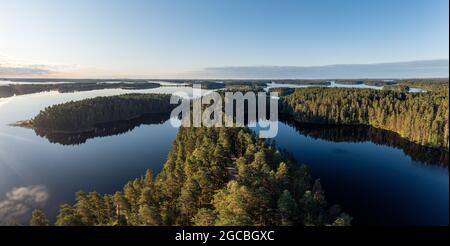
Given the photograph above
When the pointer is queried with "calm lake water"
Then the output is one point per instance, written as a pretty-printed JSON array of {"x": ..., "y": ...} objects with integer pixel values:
[{"x": 377, "y": 177}]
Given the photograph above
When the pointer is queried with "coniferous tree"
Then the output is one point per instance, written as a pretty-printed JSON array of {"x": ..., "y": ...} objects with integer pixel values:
[
  {"x": 68, "y": 216},
  {"x": 149, "y": 215},
  {"x": 231, "y": 205},
  {"x": 200, "y": 184},
  {"x": 419, "y": 117},
  {"x": 38, "y": 218},
  {"x": 205, "y": 217},
  {"x": 287, "y": 208}
]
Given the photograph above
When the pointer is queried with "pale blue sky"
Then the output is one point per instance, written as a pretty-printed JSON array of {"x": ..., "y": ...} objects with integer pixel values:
[{"x": 167, "y": 37}]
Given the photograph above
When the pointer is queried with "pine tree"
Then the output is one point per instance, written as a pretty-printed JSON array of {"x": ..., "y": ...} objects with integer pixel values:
[
  {"x": 121, "y": 208},
  {"x": 84, "y": 208},
  {"x": 149, "y": 216},
  {"x": 231, "y": 205},
  {"x": 319, "y": 194},
  {"x": 68, "y": 216},
  {"x": 192, "y": 189},
  {"x": 38, "y": 218},
  {"x": 204, "y": 217},
  {"x": 188, "y": 201},
  {"x": 287, "y": 207}
]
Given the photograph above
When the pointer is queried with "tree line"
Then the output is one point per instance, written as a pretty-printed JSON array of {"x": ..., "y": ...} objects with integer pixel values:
[
  {"x": 22, "y": 89},
  {"x": 85, "y": 115},
  {"x": 102, "y": 130},
  {"x": 363, "y": 133},
  {"x": 212, "y": 176},
  {"x": 419, "y": 117}
]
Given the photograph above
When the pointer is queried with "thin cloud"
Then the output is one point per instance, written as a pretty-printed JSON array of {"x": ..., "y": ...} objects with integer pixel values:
[
  {"x": 18, "y": 68},
  {"x": 22, "y": 71},
  {"x": 413, "y": 69}
]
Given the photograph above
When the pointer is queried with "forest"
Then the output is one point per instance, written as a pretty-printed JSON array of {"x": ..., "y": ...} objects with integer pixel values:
[
  {"x": 435, "y": 85},
  {"x": 419, "y": 117},
  {"x": 85, "y": 115},
  {"x": 21, "y": 89},
  {"x": 212, "y": 176}
]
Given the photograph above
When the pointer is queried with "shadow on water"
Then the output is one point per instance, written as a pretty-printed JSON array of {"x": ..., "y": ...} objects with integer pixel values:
[
  {"x": 361, "y": 133},
  {"x": 102, "y": 130},
  {"x": 334, "y": 133},
  {"x": 370, "y": 187}
]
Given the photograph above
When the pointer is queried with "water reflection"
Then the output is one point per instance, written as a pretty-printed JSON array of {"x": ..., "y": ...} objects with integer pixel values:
[
  {"x": 360, "y": 133},
  {"x": 20, "y": 201},
  {"x": 334, "y": 133},
  {"x": 102, "y": 130}
]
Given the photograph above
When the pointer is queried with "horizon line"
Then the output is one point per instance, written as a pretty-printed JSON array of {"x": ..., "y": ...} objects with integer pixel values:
[{"x": 424, "y": 69}]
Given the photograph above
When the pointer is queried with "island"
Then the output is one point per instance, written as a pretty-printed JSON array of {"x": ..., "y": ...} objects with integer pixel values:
[
  {"x": 83, "y": 116},
  {"x": 419, "y": 117},
  {"x": 35, "y": 86}
]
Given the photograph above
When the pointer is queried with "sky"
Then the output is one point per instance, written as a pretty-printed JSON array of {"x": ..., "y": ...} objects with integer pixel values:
[{"x": 180, "y": 38}]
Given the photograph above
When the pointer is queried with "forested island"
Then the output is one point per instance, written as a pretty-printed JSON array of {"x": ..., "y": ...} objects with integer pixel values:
[
  {"x": 101, "y": 129},
  {"x": 73, "y": 85},
  {"x": 212, "y": 176},
  {"x": 419, "y": 117},
  {"x": 22, "y": 89},
  {"x": 85, "y": 115}
]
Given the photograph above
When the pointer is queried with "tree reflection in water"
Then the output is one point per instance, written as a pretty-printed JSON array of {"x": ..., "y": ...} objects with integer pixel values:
[
  {"x": 361, "y": 133},
  {"x": 102, "y": 130},
  {"x": 335, "y": 133}
]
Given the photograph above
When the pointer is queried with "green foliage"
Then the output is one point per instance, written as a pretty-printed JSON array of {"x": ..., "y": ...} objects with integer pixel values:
[
  {"x": 205, "y": 217},
  {"x": 434, "y": 85},
  {"x": 400, "y": 88},
  {"x": 287, "y": 207},
  {"x": 314, "y": 82},
  {"x": 149, "y": 215},
  {"x": 78, "y": 85},
  {"x": 233, "y": 205},
  {"x": 38, "y": 218},
  {"x": 68, "y": 216},
  {"x": 84, "y": 115},
  {"x": 418, "y": 117},
  {"x": 210, "y": 180},
  {"x": 243, "y": 88}
]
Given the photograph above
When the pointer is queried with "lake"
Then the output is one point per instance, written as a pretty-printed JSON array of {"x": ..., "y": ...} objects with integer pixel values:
[{"x": 376, "y": 176}]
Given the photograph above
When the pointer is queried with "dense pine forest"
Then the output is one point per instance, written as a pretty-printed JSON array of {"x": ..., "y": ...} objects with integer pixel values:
[
  {"x": 85, "y": 115},
  {"x": 213, "y": 176},
  {"x": 418, "y": 117},
  {"x": 435, "y": 85}
]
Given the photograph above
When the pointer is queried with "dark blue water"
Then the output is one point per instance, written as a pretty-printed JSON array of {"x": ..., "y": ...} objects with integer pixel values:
[
  {"x": 376, "y": 183},
  {"x": 37, "y": 172},
  {"x": 377, "y": 177}
]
